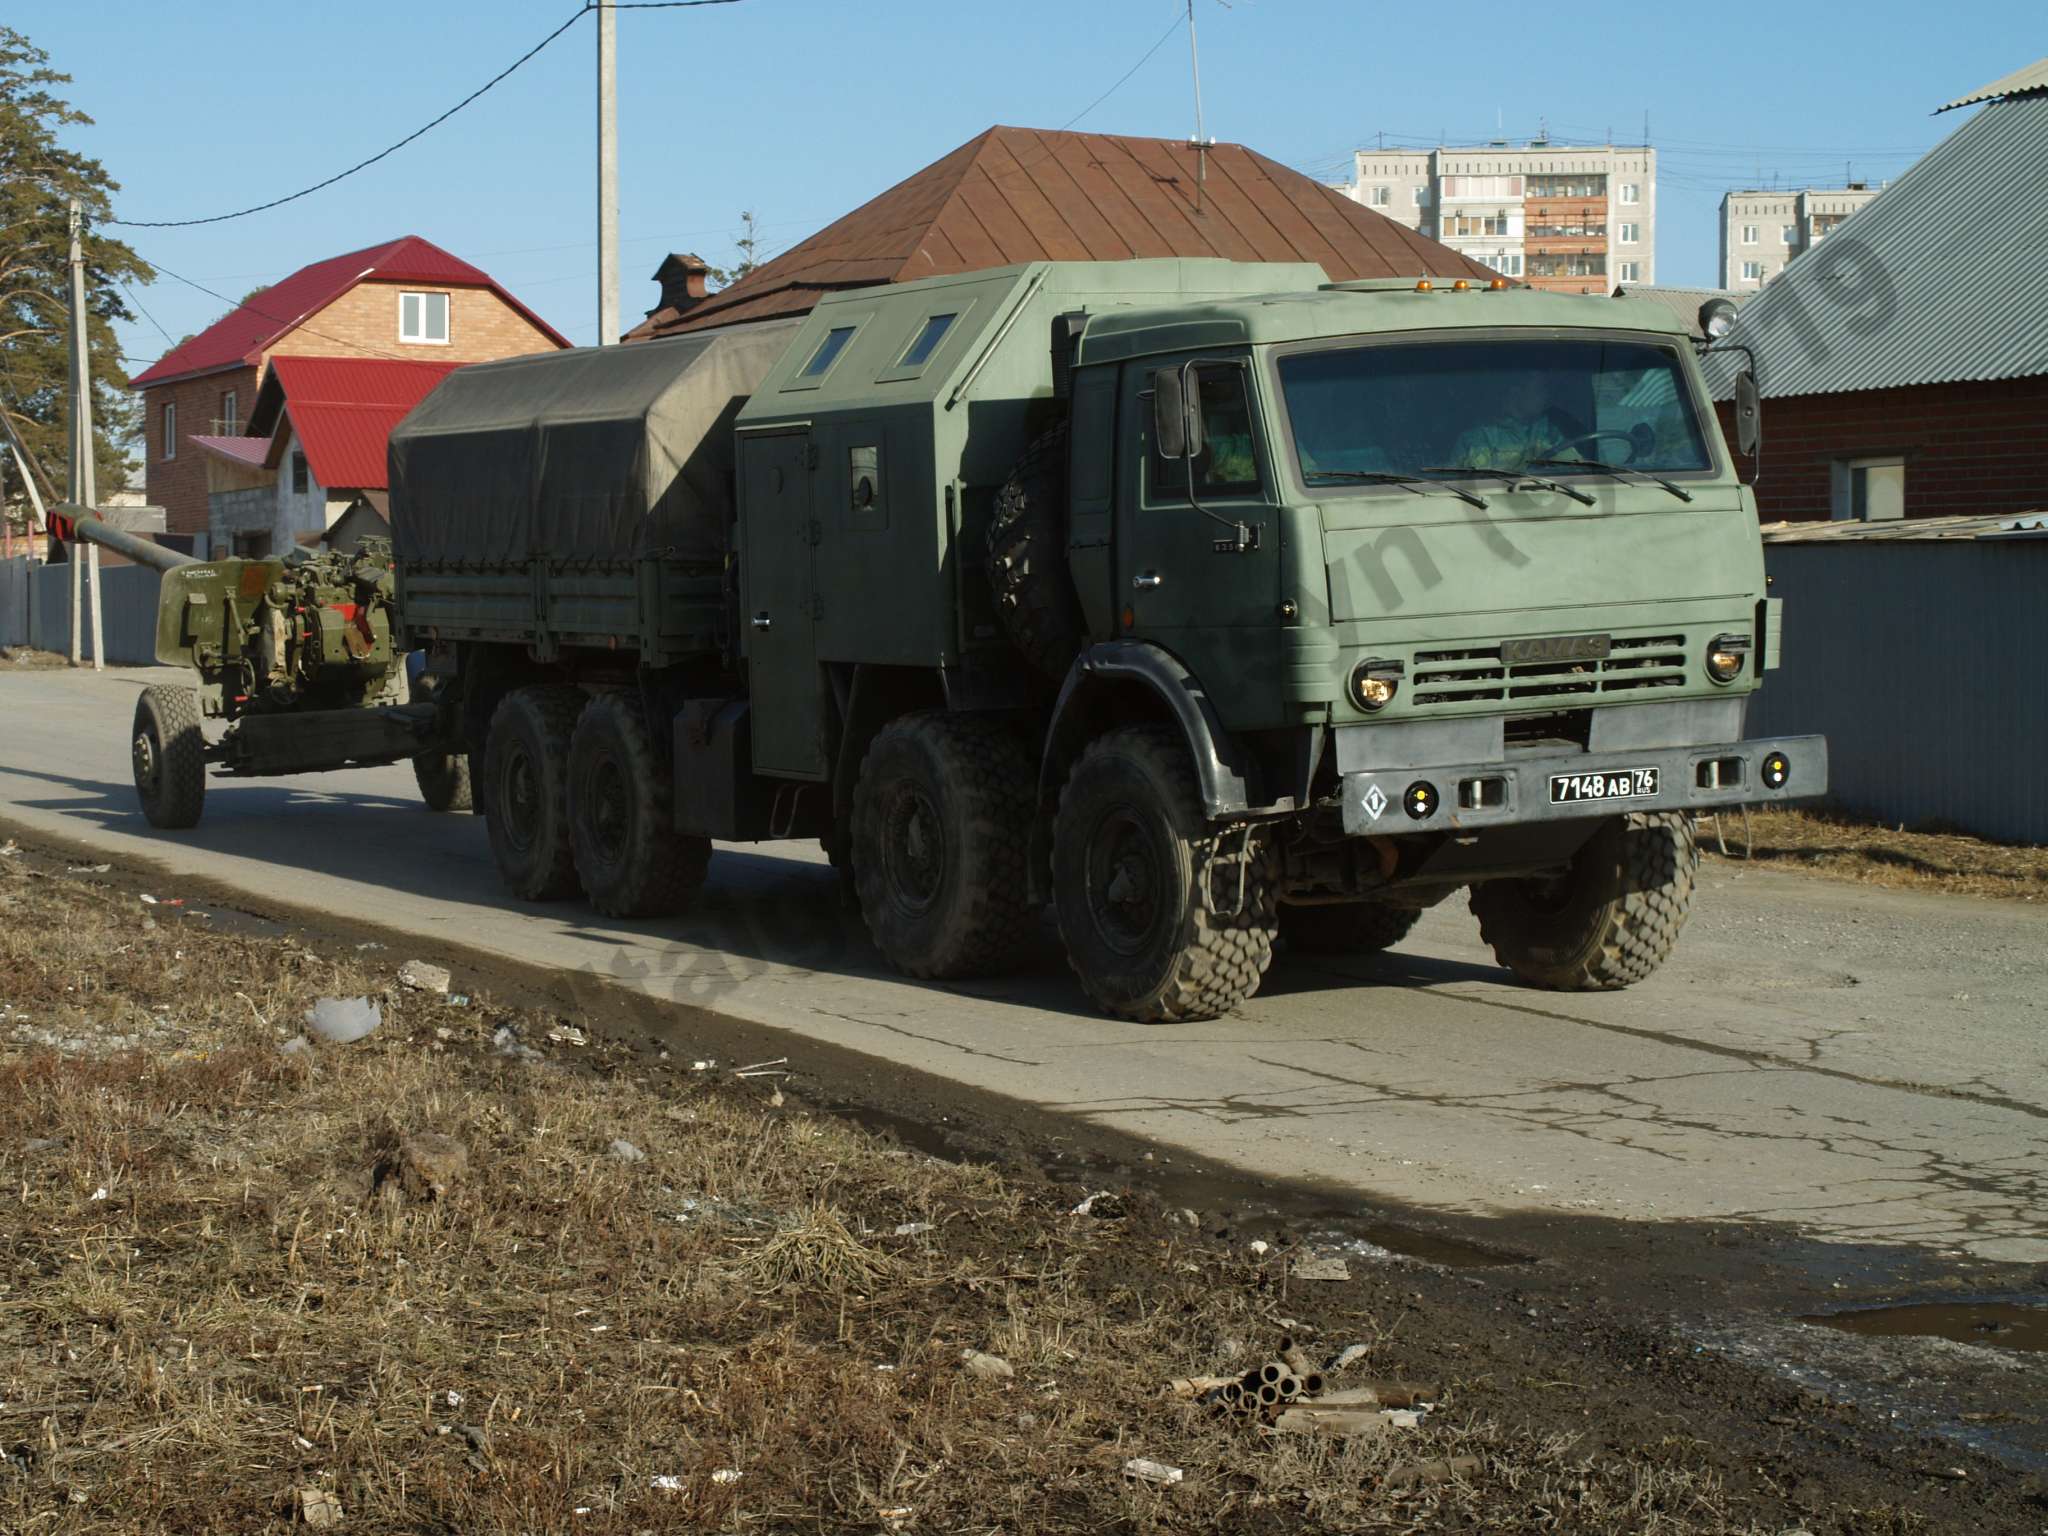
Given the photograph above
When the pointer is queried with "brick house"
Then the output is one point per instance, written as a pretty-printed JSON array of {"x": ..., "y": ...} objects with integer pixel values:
[
  {"x": 406, "y": 299},
  {"x": 1901, "y": 362}
]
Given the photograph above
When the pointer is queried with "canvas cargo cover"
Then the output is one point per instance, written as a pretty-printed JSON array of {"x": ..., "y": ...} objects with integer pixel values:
[{"x": 605, "y": 453}]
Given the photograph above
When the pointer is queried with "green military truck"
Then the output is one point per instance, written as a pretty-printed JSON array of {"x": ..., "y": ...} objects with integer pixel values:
[{"x": 1214, "y": 602}]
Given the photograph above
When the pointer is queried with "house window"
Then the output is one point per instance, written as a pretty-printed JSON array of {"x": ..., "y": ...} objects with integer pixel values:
[
  {"x": 1631, "y": 233},
  {"x": 300, "y": 479},
  {"x": 1749, "y": 234},
  {"x": 1630, "y": 271},
  {"x": 1753, "y": 271},
  {"x": 1790, "y": 236},
  {"x": 170, "y": 442},
  {"x": 1869, "y": 490},
  {"x": 1630, "y": 192},
  {"x": 423, "y": 318},
  {"x": 1421, "y": 196},
  {"x": 229, "y": 416},
  {"x": 1381, "y": 196}
]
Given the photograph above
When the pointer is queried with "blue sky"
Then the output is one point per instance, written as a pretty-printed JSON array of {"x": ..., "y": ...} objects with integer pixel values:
[{"x": 803, "y": 109}]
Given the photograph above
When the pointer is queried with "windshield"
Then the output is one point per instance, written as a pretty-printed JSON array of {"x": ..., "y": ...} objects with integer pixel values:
[{"x": 1433, "y": 408}]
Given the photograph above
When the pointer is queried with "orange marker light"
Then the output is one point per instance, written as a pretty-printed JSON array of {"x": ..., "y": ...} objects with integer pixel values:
[
  {"x": 1496, "y": 284},
  {"x": 1460, "y": 286},
  {"x": 1424, "y": 286},
  {"x": 1130, "y": 618}
]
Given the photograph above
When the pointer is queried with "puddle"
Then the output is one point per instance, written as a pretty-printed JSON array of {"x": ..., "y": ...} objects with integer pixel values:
[
  {"x": 228, "y": 920},
  {"x": 1998, "y": 1324}
]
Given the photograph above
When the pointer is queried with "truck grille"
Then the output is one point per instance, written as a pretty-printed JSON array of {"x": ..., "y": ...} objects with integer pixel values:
[{"x": 1476, "y": 674}]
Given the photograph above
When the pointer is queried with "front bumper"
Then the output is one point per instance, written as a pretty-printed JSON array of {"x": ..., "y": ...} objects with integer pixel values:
[{"x": 1515, "y": 791}]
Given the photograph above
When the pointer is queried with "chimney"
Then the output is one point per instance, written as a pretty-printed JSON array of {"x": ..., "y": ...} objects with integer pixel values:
[{"x": 682, "y": 277}]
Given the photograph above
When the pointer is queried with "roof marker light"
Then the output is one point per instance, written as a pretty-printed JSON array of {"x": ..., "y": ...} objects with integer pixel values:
[
  {"x": 1460, "y": 286},
  {"x": 1424, "y": 286},
  {"x": 1496, "y": 284}
]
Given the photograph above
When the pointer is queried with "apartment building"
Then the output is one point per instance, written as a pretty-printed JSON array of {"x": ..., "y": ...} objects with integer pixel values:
[
  {"x": 1569, "y": 218},
  {"x": 1762, "y": 231}
]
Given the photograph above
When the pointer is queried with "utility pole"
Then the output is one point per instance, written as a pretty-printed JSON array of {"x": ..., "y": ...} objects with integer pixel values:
[
  {"x": 1200, "y": 142},
  {"x": 607, "y": 176},
  {"x": 83, "y": 491}
]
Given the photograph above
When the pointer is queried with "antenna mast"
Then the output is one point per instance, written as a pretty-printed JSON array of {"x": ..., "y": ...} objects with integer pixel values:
[{"x": 1200, "y": 142}]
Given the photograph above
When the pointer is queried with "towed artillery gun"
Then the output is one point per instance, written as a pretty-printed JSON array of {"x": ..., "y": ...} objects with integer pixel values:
[{"x": 303, "y": 657}]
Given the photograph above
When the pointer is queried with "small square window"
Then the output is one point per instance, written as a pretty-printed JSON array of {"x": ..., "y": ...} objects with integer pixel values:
[
  {"x": 1631, "y": 233},
  {"x": 926, "y": 342},
  {"x": 1381, "y": 196},
  {"x": 828, "y": 352},
  {"x": 423, "y": 318},
  {"x": 1753, "y": 271},
  {"x": 1789, "y": 235},
  {"x": 1749, "y": 234},
  {"x": 1421, "y": 196},
  {"x": 1630, "y": 271},
  {"x": 301, "y": 480},
  {"x": 1630, "y": 192},
  {"x": 169, "y": 446}
]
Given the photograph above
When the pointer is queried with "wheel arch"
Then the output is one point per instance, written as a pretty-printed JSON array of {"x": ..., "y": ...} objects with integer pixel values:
[{"x": 1120, "y": 682}]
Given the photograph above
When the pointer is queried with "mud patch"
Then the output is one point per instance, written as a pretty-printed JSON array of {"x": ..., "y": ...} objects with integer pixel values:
[{"x": 1995, "y": 1324}]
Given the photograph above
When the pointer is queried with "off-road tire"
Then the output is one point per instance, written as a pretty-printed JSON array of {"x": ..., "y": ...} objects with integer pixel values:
[
  {"x": 526, "y": 803},
  {"x": 169, "y": 757},
  {"x": 1164, "y": 950},
  {"x": 443, "y": 778},
  {"x": 1610, "y": 920},
  {"x": 1348, "y": 928},
  {"x": 629, "y": 857},
  {"x": 941, "y": 830},
  {"x": 1027, "y": 559}
]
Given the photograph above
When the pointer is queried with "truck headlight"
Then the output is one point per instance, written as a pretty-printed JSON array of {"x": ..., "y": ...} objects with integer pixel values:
[
  {"x": 1725, "y": 657},
  {"x": 1374, "y": 682}
]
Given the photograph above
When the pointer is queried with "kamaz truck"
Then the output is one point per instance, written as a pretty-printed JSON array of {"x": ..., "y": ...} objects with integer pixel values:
[{"x": 1216, "y": 604}]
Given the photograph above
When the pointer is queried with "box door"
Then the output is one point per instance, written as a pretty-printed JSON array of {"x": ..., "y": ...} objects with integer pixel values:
[{"x": 778, "y": 622}]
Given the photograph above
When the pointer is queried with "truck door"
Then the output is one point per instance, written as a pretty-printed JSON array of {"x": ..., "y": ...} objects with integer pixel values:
[
  {"x": 1179, "y": 574},
  {"x": 778, "y": 597}
]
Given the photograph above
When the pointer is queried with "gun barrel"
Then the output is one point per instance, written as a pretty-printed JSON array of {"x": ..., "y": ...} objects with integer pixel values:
[{"x": 83, "y": 525}]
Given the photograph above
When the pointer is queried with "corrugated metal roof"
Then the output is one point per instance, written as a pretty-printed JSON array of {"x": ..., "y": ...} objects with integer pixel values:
[
  {"x": 1683, "y": 302},
  {"x": 342, "y": 410},
  {"x": 2033, "y": 77},
  {"x": 239, "y": 338},
  {"x": 1013, "y": 195},
  {"x": 1909, "y": 530},
  {"x": 345, "y": 444},
  {"x": 1935, "y": 280}
]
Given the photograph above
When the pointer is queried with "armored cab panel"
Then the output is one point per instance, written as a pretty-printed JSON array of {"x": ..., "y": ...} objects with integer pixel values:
[
  {"x": 530, "y": 497},
  {"x": 871, "y": 454}
]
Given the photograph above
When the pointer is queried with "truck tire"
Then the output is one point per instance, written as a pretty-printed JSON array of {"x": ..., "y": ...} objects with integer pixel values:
[
  {"x": 1609, "y": 920},
  {"x": 1027, "y": 559},
  {"x": 1144, "y": 887},
  {"x": 443, "y": 778},
  {"x": 526, "y": 777},
  {"x": 1346, "y": 928},
  {"x": 941, "y": 829},
  {"x": 170, "y": 757},
  {"x": 629, "y": 856}
]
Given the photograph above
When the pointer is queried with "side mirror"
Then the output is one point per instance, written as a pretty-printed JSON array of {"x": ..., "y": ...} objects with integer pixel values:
[
  {"x": 1176, "y": 416},
  {"x": 1748, "y": 413}
]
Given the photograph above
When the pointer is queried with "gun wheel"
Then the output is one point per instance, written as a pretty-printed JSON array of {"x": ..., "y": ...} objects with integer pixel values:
[
  {"x": 443, "y": 778},
  {"x": 526, "y": 768},
  {"x": 170, "y": 757}
]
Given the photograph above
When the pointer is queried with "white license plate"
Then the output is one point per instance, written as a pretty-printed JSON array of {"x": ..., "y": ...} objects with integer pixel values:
[{"x": 1615, "y": 784}]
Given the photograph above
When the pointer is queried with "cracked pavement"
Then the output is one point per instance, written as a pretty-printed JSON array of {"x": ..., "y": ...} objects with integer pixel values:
[{"x": 1869, "y": 1066}]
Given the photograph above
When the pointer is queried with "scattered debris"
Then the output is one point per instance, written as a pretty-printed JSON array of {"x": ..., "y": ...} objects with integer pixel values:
[
  {"x": 895, "y": 1515},
  {"x": 1345, "y": 1358},
  {"x": 709, "y": 1064},
  {"x": 298, "y": 1045},
  {"x": 454, "y": 1398},
  {"x": 913, "y": 1228},
  {"x": 421, "y": 976},
  {"x": 1152, "y": 1471},
  {"x": 506, "y": 1043},
  {"x": 779, "y": 1067},
  {"x": 988, "y": 1367},
  {"x": 1259, "y": 1247},
  {"x": 726, "y": 1475},
  {"x": 626, "y": 1152},
  {"x": 1320, "y": 1267},
  {"x": 667, "y": 1482},
  {"x": 147, "y": 899},
  {"x": 568, "y": 1034},
  {"x": 340, "y": 1020},
  {"x": 318, "y": 1508},
  {"x": 88, "y": 869},
  {"x": 9, "y": 850},
  {"x": 458, "y": 999},
  {"x": 1088, "y": 1206}
]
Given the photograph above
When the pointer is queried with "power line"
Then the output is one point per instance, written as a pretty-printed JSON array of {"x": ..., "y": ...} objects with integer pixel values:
[
  {"x": 501, "y": 75},
  {"x": 296, "y": 323},
  {"x": 152, "y": 319},
  {"x": 1172, "y": 27}
]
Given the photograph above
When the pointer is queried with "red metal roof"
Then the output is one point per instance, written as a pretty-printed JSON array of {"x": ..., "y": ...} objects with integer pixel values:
[
  {"x": 342, "y": 410},
  {"x": 249, "y": 452},
  {"x": 1024, "y": 194},
  {"x": 239, "y": 338}
]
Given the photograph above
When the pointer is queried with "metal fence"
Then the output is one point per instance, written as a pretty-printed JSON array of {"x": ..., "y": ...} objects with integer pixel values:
[
  {"x": 35, "y": 609},
  {"x": 1925, "y": 663}
]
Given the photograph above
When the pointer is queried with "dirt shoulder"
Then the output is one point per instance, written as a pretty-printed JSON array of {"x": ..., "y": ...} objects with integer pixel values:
[
  {"x": 485, "y": 1270},
  {"x": 1871, "y": 853}
]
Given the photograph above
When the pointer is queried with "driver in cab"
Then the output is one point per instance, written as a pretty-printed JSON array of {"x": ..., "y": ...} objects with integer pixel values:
[{"x": 1525, "y": 426}]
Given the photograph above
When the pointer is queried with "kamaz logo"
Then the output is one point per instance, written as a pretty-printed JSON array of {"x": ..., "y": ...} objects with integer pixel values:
[{"x": 1557, "y": 648}]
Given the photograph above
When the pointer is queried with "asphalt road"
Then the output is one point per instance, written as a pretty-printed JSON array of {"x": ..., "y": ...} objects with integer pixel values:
[{"x": 1865, "y": 1066}]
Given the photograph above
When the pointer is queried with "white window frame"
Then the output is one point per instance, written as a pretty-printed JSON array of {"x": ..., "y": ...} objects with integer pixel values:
[
  {"x": 1791, "y": 234},
  {"x": 1753, "y": 271},
  {"x": 1630, "y": 192},
  {"x": 230, "y": 411},
  {"x": 1421, "y": 196},
  {"x": 169, "y": 418},
  {"x": 1629, "y": 272},
  {"x": 1842, "y": 490},
  {"x": 1631, "y": 234},
  {"x": 424, "y": 295},
  {"x": 1382, "y": 197},
  {"x": 1749, "y": 233}
]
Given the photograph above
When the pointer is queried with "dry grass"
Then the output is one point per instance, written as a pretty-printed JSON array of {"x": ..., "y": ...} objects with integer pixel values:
[
  {"x": 1850, "y": 848},
  {"x": 210, "y": 1306}
]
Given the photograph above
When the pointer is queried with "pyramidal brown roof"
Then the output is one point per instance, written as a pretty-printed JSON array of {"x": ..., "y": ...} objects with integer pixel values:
[{"x": 1029, "y": 194}]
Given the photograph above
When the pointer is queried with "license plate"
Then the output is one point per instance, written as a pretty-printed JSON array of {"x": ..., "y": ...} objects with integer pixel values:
[{"x": 1616, "y": 784}]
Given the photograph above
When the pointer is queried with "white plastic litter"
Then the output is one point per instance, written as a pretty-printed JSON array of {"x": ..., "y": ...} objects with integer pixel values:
[
  {"x": 1152, "y": 1471},
  {"x": 338, "y": 1020}
]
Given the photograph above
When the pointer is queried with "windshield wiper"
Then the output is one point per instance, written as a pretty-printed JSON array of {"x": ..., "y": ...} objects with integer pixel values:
[
  {"x": 1617, "y": 471},
  {"x": 1512, "y": 481},
  {"x": 1387, "y": 477}
]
